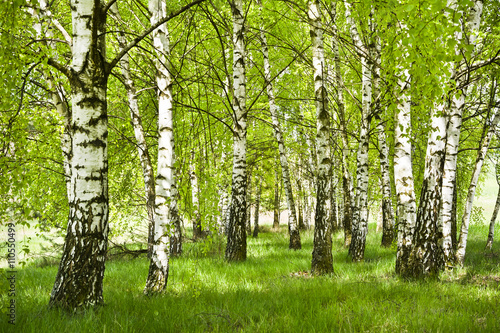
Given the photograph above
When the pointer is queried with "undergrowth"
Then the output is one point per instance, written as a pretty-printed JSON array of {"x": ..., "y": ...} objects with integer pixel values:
[{"x": 272, "y": 291}]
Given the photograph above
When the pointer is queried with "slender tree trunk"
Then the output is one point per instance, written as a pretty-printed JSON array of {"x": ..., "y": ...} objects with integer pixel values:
[
  {"x": 491, "y": 233},
  {"x": 387, "y": 210},
  {"x": 300, "y": 205},
  {"x": 403, "y": 176},
  {"x": 167, "y": 221},
  {"x": 79, "y": 278},
  {"x": 248, "y": 222},
  {"x": 140, "y": 137},
  {"x": 197, "y": 230},
  {"x": 236, "y": 249},
  {"x": 360, "y": 214},
  {"x": 322, "y": 260},
  {"x": 293, "y": 227},
  {"x": 464, "y": 231},
  {"x": 257, "y": 207},
  {"x": 276, "y": 205},
  {"x": 453, "y": 132}
]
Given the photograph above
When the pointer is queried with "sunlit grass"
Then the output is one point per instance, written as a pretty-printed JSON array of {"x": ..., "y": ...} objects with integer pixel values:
[{"x": 273, "y": 292}]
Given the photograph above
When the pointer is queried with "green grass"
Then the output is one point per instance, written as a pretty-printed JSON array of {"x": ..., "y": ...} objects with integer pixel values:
[{"x": 270, "y": 293}]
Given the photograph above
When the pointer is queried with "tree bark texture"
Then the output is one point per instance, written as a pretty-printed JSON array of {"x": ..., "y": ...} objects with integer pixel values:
[
  {"x": 79, "y": 278},
  {"x": 236, "y": 249},
  {"x": 322, "y": 260},
  {"x": 293, "y": 226},
  {"x": 360, "y": 213},
  {"x": 140, "y": 136},
  {"x": 426, "y": 258},
  {"x": 464, "y": 230},
  {"x": 403, "y": 176},
  {"x": 166, "y": 239},
  {"x": 257, "y": 207}
]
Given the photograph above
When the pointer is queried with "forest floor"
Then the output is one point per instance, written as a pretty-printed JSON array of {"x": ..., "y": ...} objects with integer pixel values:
[{"x": 272, "y": 291}]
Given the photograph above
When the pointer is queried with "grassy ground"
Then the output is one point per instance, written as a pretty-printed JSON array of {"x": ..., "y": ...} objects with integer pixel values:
[{"x": 272, "y": 292}]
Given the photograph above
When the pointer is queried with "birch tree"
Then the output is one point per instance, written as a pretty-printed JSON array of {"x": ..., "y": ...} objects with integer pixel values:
[
  {"x": 236, "y": 249},
  {"x": 464, "y": 231},
  {"x": 491, "y": 229},
  {"x": 166, "y": 214},
  {"x": 322, "y": 260},
  {"x": 360, "y": 214},
  {"x": 293, "y": 227},
  {"x": 457, "y": 101},
  {"x": 403, "y": 174}
]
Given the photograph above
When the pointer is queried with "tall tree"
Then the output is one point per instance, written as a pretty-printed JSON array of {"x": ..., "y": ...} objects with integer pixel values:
[
  {"x": 491, "y": 230},
  {"x": 167, "y": 220},
  {"x": 360, "y": 213},
  {"x": 236, "y": 249},
  {"x": 322, "y": 260},
  {"x": 293, "y": 227}
]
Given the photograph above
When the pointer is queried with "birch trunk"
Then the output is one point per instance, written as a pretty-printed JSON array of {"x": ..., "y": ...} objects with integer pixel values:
[
  {"x": 293, "y": 227},
  {"x": 276, "y": 210},
  {"x": 322, "y": 260},
  {"x": 464, "y": 231},
  {"x": 197, "y": 230},
  {"x": 140, "y": 137},
  {"x": 426, "y": 257},
  {"x": 360, "y": 214},
  {"x": 403, "y": 176},
  {"x": 248, "y": 222},
  {"x": 236, "y": 249},
  {"x": 491, "y": 232},
  {"x": 387, "y": 210},
  {"x": 166, "y": 239},
  {"x": 257, "y": 207},
  {"x": 453, "y": 131},
  {"x": 79, "y": 278}
]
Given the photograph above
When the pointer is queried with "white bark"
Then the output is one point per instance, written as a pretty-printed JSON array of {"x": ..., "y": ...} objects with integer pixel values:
[
  {"x": 464, "y": 231},
  {"x": 346, "y": 176},
  {"x": 166, "y": 214},
  {"x": 453, "y": 131},
  {"x": 140, "y": 136},
  {"x": 79, "y": 279},
  {"x": 236, "y": 248},
  {"x": 293, "y": 226},
  {"x": 403, "y": 175},
  {"x": 360, "y": 213},
  {"x": 322, "y": 261},
  {"x": 195, "y": 190}
]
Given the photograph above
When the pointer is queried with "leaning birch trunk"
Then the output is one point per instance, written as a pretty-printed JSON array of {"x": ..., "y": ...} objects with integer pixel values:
[
  {"x": 453, "y": 131},
  {"x": 236, "y": 249},
  {"x": 140, "y": 137},
  {"x": 322, "y": 260},
  {"x": 197, "y": 230},
  {"x": 79, "y": 278},
  {"x": 166, "y": 214},
  {"x": 293, "y": 227},
  {"x": 360, "y": 214},
  {"x": 257, "y": 207},
  {"x": 387, "y": 210},
  {"x": 491, "y": 232},
  {"x": 464, "y": 231},
  {"x": 403, "y": 176}
]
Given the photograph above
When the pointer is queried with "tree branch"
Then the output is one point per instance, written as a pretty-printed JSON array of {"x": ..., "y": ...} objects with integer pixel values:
[{"x": 147, "y": 32}]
